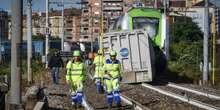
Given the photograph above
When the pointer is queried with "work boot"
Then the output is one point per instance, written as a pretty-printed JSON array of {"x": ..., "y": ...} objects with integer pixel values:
[
  {"x": 78, "y": 105},
  {"x": 119, "y": 106},
  {"x": 73, "y": 105},
  {"x": 109, "y": 107}
]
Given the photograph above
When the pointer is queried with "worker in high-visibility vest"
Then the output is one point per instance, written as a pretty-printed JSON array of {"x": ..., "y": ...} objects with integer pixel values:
[
  {"x": 112, "y": 77},
  {"x": 99, "y": 62},
  {"x": 75, "y": 77}
]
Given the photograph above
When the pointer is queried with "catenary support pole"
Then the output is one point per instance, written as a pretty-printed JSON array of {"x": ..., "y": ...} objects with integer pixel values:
[
  {"x": 47, "y": 34},
  {"x": 29, "y": 40},
  {"x": 166, "y": 26},
  {"x": 62, "y": 25},
  {"x": 15, "y": 92},
  {"x": 206, "y": 43}
]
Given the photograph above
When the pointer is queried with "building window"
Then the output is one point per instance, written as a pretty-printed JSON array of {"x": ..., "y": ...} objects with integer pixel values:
[
  {"x": 69, "y": 21},
  {"x": 96, "y": 30},
  {"x": 85, "y": 11},
  {"x": 96, "y": 4},
  {"x": 68, "y": 29},
  {"x": 85, "y": 29},
  {"x": 96, "y": 12},
  {"x": 85, "y": 37},
  {"x": 85, "y": 20},
  {"x": 69, "y": 37}
]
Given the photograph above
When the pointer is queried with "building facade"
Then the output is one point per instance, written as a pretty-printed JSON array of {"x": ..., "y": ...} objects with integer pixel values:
[
  {"x": 38, "y": 24},
  {"x": 71, "y": 24},
  {"x": 90, "y": 20},
  {"x": 196, "y": 12},
  {"x": 92, "y": 12},
  {"x": 190, "y": 3}
]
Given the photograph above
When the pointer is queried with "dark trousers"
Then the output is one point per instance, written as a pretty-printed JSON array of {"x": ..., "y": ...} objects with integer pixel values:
[{"x": 55, "y": 74}]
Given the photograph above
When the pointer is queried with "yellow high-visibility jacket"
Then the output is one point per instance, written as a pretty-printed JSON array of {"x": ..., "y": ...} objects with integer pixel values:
[
  {"x": 75, "y": 71},
  {"x": 113, "y": 68},
  {"x": 99, "y": 62}
]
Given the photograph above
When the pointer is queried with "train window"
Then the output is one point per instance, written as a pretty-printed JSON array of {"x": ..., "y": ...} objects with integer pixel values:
[
  {"x": 117, "y": 25},
  {"x": 121, "y": 23},
  {"x": 148, "y": 24}
]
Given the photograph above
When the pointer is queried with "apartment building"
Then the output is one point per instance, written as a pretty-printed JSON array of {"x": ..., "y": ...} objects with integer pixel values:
[
  {"x": 71, "y": 24},
  {"x": 196, "y": 12},
  {"x": 72, "y": 28},
  {"x": 38, "y": 24},
  {"x": 190, "y": 3},
  {"x": 90, "y": 20},
  {"x": 92, "y": 11}
]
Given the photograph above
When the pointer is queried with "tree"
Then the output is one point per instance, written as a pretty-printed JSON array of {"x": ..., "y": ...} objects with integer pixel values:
[
  {"x": 185, "y": 47},
  {"x": 184, "y": 29}
]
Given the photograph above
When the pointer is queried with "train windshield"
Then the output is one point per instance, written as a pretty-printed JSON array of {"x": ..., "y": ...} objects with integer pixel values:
[{"x": 150, "y": 25}]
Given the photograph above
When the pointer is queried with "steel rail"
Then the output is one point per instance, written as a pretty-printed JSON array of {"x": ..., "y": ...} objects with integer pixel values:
[
  {"x": 87, "y": 106},
  {"x": 135, "y": 104},
  {"x": 194, "y": 91},
  {"x": 182, "y": 98}
]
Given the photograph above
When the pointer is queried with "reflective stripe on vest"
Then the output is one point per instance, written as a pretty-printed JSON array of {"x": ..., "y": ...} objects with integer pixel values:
[
  {"x": 72, "y": 74},
  {"x": 75, "y": 69}
]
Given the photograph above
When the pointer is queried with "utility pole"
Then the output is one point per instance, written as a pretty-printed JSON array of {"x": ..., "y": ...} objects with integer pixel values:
[
  {"x": 29, "y": 40},
  {"x": 206, "y": 43},
  {"x": 213, "y": 46},
  {"x": 16, "y": 53},
  {"x": 47, "y": 34},
  {"x": 62, "y": 25}
]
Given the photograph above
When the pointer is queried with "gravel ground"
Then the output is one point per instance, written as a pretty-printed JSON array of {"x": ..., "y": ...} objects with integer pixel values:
[
  {"x": 98, "y": 101},
  {"x": 154, "y": 100},
  {"x": 57, "y": 95}
]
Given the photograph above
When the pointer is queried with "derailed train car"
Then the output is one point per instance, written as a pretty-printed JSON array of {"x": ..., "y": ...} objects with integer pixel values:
[{"x": 139, "y": 36}]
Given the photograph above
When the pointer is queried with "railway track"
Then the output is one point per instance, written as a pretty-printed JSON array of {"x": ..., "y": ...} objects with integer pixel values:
[
  {"x": 134, "y": 97},
  {"x": 155, "y": 100},
  {"x": 98, "y": 101},
  {"x": 192, "y": 90},
  {"x": 169, "y": 92},
  {"x": 57, "y": 96}
]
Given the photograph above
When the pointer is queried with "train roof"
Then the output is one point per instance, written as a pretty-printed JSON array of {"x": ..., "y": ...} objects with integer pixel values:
[{"x": 144, "y": 12}]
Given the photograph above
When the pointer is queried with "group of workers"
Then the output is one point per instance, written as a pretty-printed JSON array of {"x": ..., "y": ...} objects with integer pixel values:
[{"x": 107, "y": 77}]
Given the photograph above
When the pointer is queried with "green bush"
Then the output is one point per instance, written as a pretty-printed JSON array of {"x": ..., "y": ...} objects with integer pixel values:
[
  {"x": 5, "y": 69},
  {"x": 37, "y": 67}
]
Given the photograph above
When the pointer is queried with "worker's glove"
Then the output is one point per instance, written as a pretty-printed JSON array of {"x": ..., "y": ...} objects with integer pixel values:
[{"x": 92, "y": 78}]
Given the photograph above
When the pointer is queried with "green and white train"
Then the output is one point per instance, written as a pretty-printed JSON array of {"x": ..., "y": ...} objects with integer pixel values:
[{"x": 141, "y": 38}]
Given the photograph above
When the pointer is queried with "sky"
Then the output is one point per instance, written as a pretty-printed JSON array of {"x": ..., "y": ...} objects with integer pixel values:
[{"x": 39, "y": 5}]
